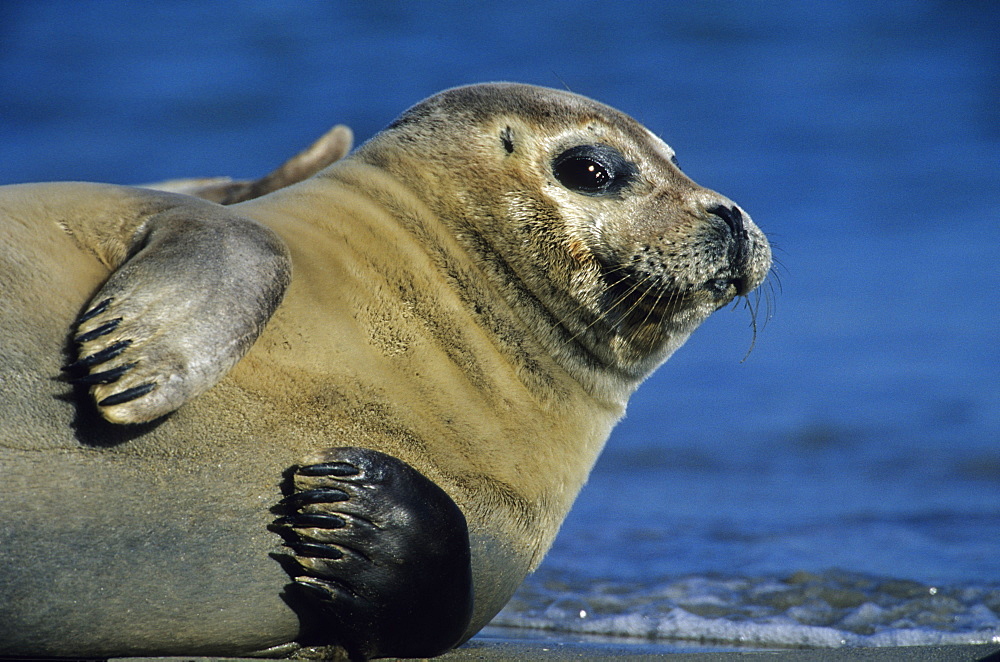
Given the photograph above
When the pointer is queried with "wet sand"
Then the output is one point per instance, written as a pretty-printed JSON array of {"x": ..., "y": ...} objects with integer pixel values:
[{"x": 495, "y": 650}]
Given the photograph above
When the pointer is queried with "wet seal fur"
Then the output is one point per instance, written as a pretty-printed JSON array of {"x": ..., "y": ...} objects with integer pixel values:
[{"x": 350, "y": 412}]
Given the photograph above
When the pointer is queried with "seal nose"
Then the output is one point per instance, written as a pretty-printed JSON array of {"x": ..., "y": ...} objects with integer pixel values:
[
  {"x": 739, "y": 245},
  {"x": 733, "y": 218}
]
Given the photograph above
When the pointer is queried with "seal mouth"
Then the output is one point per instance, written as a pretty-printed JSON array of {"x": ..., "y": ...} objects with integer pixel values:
[
  {"x": 641, "y": 293},
  {"x": 636, "y": 302},
  {"x": 724, "y": 289},
  {"x": 644, "y": 310}
]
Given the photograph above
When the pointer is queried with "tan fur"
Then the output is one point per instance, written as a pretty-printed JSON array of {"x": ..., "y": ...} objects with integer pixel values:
[{"x": 446, "y": 307}]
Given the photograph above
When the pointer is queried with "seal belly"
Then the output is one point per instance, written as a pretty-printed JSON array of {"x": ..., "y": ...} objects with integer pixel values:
[
  {"x": 93, "y": 540},
  {"x": 105, "y": 550}
]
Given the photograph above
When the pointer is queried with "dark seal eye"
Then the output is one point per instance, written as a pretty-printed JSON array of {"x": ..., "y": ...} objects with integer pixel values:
[
  {"x": 582, "y": 174},
  {"x": 593, "y": 169}
]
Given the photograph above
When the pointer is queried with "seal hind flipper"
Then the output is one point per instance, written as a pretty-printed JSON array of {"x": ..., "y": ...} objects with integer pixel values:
[
  {"x": 328, "y": 148},
  {"x": 175, "y": 316},
  {"x": 382, "y": 555}
]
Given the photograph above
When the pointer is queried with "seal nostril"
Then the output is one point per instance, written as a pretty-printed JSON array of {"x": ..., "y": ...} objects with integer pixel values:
[
  {"x": 733, "y": 218},
  {"x": 739, "y": 247}
]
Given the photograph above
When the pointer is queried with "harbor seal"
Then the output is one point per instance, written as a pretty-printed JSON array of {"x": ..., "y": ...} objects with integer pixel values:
[{"x": 352, "y": 412}]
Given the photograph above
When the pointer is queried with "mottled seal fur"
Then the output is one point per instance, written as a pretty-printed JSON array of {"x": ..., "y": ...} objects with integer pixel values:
[{"x": 352, "y": 411}]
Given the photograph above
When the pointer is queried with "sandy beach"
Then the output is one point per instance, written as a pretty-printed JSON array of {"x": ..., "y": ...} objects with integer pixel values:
[
  {"x": 531, "y": 651},
  {"x": 494, "y": 648}
]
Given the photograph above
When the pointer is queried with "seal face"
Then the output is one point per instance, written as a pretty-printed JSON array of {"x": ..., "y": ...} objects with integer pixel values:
[{"x": 350, "y": 410}]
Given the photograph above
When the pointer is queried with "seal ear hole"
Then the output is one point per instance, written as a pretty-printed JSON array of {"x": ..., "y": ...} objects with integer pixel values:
[
  {"x": 507, "y": 138},
  {"x": 593, "y": 170}
]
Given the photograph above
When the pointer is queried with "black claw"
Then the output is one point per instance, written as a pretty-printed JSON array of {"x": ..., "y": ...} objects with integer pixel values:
[
  {"x": 100, "y": 357},
  {"x": 95, "y": 311},
  {"x": 322, "y": 590},
  {"x": 311, "y": 520},
  {"x": 106, "y": 377},
  {"x": 127, "y": 395},
  {"x": 329, "y": 469},
  {"x": 315, "y": 551},
  {"x": 318, "y": 495},
  {"x": 102, "y": 330}
]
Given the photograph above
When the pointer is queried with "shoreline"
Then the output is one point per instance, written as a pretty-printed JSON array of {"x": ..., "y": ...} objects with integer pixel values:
[
  {"x": 521, "y": 651},
  {"x": 519, "y": 645},
  {"x": 495, "y": 643},
  {"x": 493, "y": 651}
]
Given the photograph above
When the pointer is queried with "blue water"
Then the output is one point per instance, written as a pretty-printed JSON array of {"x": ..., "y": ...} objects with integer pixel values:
[{"x": 841, "y": 485}]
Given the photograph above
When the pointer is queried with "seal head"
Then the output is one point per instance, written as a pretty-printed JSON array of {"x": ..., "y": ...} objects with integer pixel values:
[{"x": 606, "y": 248}]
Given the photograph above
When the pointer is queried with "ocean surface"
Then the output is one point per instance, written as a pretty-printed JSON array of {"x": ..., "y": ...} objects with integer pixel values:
[{"x": 832, "y": 479}]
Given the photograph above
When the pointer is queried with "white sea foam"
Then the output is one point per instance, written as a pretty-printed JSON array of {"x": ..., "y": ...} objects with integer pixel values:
[{"x": 806, "y": 611}]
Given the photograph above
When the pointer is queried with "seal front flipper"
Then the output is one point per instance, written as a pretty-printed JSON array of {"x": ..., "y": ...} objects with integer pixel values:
[
  {"x": 382, "y": 555},
  {"x": 197, "y": 289}
]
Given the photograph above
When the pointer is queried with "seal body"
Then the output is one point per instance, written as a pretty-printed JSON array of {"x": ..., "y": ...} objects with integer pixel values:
[{"x": 429, "y": 340}]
